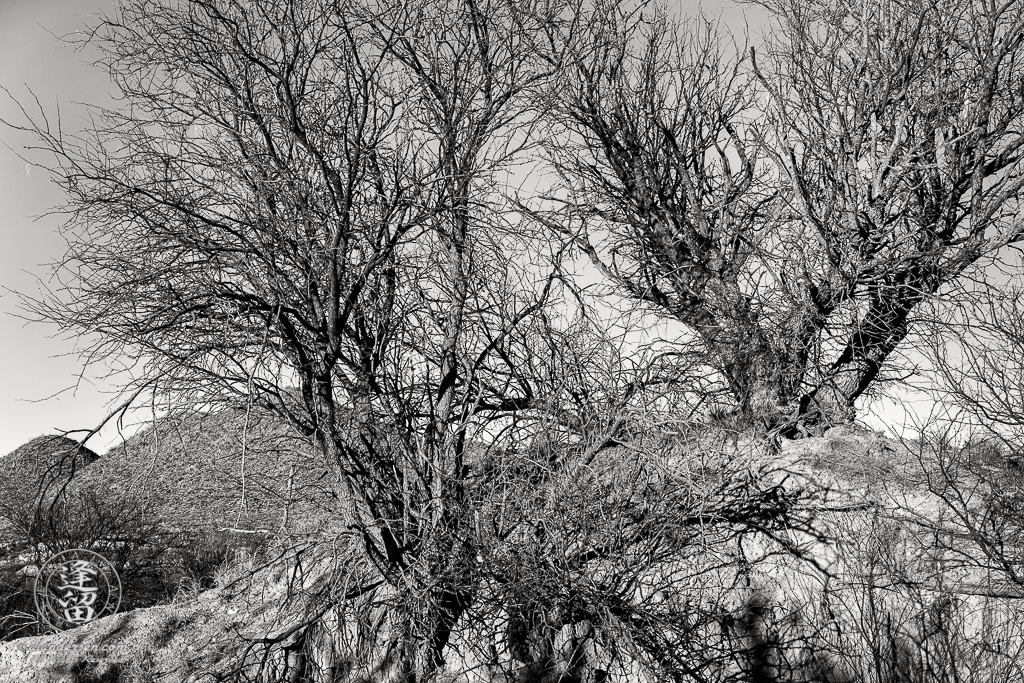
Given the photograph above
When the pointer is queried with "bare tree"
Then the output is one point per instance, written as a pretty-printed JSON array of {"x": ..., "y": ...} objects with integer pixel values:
[
  {"x": 974, "y": 340},
  {"x": 300, "y": 207},
  {"x": 293, "y": 209},
  {"x": 793, "y": 206}
]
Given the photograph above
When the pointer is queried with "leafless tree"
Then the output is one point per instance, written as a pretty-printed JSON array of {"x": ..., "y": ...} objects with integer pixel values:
[
  {"x": 301, "y": 207},
  {"x": 794, "y": 204},
  {"x": 972, "y": 453},
  {"x": 293, "y": 209}
]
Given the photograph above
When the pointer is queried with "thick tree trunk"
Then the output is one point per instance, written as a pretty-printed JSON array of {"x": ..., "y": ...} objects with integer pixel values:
[
  {"x": 295, "y": 662},
  {"x": 765, "y": 385},
  {"x": 449, "y": 606},
  {"x": 365, "y": 641},
  {"x": 531, "y": 643},
  {"x": 882, "y": 329},
  {"x": 755, "y": 370}
]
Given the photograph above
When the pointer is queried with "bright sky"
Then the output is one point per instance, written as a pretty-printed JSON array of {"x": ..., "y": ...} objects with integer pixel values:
[
  {"x": 40, "y": 392},
  {"x": 35, "y": 367}
]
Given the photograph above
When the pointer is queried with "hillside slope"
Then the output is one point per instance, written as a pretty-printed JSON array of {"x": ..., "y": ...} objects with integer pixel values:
[
  {"x": 196, "y": 471},
  {"x": 228, "y": 469}
]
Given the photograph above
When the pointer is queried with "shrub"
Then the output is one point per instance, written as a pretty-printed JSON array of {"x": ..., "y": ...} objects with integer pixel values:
[{"x": 153, "y": 562}]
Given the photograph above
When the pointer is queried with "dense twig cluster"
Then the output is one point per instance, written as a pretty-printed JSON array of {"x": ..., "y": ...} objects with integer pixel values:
[{"x": 304, "y": 207}]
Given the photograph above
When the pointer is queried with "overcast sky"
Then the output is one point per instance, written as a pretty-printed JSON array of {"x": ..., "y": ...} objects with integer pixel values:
[{"x": 38, "y": 372}]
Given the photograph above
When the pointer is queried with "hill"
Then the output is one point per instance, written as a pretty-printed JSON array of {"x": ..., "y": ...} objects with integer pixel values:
[
  {"x": 168, "y": 505},
  {"x": 216, "y": 470},
  {"x": 37, "y": 470},
  {"x": 195, "y": 471}
]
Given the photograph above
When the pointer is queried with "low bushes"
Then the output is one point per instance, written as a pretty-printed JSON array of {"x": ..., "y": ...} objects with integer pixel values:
[{"x": 153, "y": 560}]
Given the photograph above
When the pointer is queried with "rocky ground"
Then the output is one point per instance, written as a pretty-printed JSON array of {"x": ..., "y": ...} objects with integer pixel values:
[{"x": 862, "y": 477}]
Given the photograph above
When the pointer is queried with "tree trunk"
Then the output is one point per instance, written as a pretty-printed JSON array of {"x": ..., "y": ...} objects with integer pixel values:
[
  {"x": 764, "y": 380},
  {"x": 531, "y": 643},
  {"x": 449, "y": 607}
]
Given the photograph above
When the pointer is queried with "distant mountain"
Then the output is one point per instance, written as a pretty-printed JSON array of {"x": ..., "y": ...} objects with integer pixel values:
[{"x": 38, "y": 468}]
